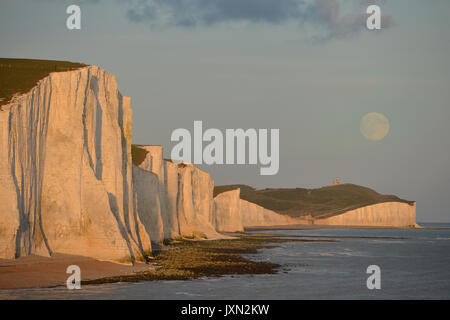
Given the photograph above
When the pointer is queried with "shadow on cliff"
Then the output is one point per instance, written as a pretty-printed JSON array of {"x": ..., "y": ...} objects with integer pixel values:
[
  {"x": 125, "y": 227},
  {"x": 29, "y": 167},
  {"x": 123, "y": 230},
  {"x": 97, "y": 167}
]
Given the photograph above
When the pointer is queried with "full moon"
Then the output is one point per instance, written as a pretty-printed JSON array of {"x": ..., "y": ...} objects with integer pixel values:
[{"x": 374, "y": 126}]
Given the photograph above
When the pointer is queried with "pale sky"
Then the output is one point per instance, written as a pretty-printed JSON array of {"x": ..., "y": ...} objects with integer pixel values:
[{"x": 311, "y": 70}]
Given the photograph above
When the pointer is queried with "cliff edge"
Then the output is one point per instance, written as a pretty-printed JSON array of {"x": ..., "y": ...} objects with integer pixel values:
[{"x": 66, "y": 171}]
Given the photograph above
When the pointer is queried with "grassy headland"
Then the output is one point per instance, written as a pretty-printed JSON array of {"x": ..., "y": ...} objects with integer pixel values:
[{"x": 319, "y": 203}]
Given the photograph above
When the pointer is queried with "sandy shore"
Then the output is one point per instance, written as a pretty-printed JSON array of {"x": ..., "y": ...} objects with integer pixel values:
[{"x": 37, "y": 271}]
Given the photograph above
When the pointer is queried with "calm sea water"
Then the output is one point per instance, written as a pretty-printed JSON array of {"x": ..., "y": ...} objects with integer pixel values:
[{"x": 415, "y": 264}]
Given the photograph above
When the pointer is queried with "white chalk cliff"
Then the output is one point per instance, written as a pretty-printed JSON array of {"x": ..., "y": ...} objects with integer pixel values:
[
  {"x": 386, "y": 214},
  {"x": 181, "y": 203},
  {"x": 227, "y": 212},
  {"x": 233, "y": 214},
  {"x": 68, "y": 185},
  {"x": 66, "y": 172},
  {"x": 185, "y": 204},
  {"x": 254, "y": 215},
  {"x": 195, "y": 203}
]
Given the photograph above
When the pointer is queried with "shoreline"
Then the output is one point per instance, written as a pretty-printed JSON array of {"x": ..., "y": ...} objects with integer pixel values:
[
  {"x": 324, "y": 226},
  {"x": 179, "y": 260}
]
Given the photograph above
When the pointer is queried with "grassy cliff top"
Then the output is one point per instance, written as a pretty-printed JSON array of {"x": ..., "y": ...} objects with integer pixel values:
[
  {"x": 244, "y": 188},
  {"x": 319, "y": 203},
  {"x": 138, "y": 154},
  {"x": 18, "y": 76}
]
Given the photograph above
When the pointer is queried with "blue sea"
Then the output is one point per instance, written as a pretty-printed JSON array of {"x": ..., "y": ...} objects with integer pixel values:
[{"x": 414, "y": 264}]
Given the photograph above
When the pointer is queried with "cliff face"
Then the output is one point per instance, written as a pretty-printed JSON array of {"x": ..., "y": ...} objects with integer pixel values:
[
  {"x": 388, "y": 214},
  {"x": 148, "y": 204},
  {"x": 148, "y": 180},
  {"x": 254, "y": 215},
  {"x": 68, "y": 185},
  {"x": 196, "y": 203},
  {"x": 65, "y": 170},
  {"x": 184, "y": 206},
  {"x": 232, "y": 214},
  {"x": 171, "y": 198},
  {"x": 192, "y": 201},
  {"x": 227, "y": 212}
]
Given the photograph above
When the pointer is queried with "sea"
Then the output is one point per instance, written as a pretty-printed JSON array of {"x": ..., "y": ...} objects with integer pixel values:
[{"x": 409, "y": 264}]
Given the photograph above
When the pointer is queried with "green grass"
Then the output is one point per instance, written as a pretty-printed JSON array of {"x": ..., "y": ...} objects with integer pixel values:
[
  {"x": 319, "y": 203},
  {"x": 18, "y": 76},
  {"x": 244, "y": 188},
  {"x": 138, "y": 154}
]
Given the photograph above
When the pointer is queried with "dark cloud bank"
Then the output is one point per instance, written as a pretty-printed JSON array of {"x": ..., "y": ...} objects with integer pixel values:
[{"x": 324, "y": 14}]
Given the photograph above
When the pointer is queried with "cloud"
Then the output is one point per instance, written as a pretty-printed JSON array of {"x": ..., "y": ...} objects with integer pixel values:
[
  {"x": 210, "y": 12},
  {"x": 326, "y": 15}
]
